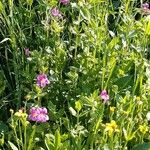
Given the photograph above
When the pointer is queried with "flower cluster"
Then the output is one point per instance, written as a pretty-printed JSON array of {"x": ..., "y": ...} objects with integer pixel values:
[
  {"x": 42, "y": 80},
  {"x": 111, "y": 127},
  {"x": 64, "y": 2},
  {"x": 55, "y": 12},
  {"x": 104, "y": 96},
  {"x": 145, "y": 8},
  {"x": 38, "y": 114}
]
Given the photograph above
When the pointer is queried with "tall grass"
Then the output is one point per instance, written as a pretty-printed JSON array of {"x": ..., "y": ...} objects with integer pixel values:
[{"x": 94, "y": 46}]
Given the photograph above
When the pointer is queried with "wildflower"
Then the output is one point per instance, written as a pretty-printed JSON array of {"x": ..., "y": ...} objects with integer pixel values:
[
  {"x": 112, "y": 109},
  {"x": 42, "y": 80},
  {"x": 55, "y": 12},
  {"x": 111, "y": 127},
  {"x": 20, "y": 114},
  {"x": 148, "y": 116},
  {"x": 139, "y": 102},
  {"x": 143, "y": 128},
  {"x": 104, "y": 95},
  {"x": 26, "y": 50},
  {"x": 64, "y": 2},
  {"x": 38, "y": 114},
  {"x": 145, "y": 8},
  {"x": 138, "y": 98}
]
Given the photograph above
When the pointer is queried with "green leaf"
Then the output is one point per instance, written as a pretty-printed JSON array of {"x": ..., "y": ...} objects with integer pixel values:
[
  {"x": 148, "y": 29},
  {"x": 29, "y": 2},
  {"x": 1, "y": 139},
  {"x": 57, "y": 139},
  {"x": 2, "y": 82},
  {"x": 48, "y": 143},
  {"x": 123, "y": 82},
  {"x": 144, "y": 146},
  {"x": 78, "y": 106},
  {"x": 113, "y": 42},
  {"x": 6, "y": 39},
  {"x": 3, "y": 127},
  {"x": 85, "y": 14},
  {"x": 1, "y": 7},
  {"x": 13, "y": 147}
]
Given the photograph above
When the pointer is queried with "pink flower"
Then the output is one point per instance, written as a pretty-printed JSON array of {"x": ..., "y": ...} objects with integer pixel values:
[
  {"x": 55, "y": 12},
  {"x": 42, "y": 80},
  {"x": 104, "y": 96},
  {"x": 145, "y": 8},
  {"x": 38, "y": 114},
  {"x": 26, "y": 51},
  {"x": 64, "y": 2}
]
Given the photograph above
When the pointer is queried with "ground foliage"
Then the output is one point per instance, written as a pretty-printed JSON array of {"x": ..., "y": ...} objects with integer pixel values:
[{"x": 56, "y": 60}]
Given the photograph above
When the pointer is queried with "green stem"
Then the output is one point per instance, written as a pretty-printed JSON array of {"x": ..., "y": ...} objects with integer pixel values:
[
  {"x": 14, "y": 128},
  {"x": 25, "y": 136},
  {"x": 31, "y": 140},
  {"x": 20, "y": 132}
]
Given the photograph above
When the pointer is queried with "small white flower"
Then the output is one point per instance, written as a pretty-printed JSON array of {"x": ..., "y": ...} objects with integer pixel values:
[
  {"x": 139, "y": 102},
  {"x": 148, "y": 116}
]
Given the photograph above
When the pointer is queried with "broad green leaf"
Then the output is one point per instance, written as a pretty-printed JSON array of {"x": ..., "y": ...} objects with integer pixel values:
[
  {"x": 144, "y": 146},
  {"x": 3, "y": 127},
  {"x": 123, "y": 82}
]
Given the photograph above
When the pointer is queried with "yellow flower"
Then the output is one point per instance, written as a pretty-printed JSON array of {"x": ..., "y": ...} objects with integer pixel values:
[
  {"x": 121, "y": 72},
  {"x": 111, "y": 127},
  {"x": 138, "y": 98},
  {"x": 112, "y": 109},
  {"x": 143, "y": 128},
  {"x": 20, "y": 114}
]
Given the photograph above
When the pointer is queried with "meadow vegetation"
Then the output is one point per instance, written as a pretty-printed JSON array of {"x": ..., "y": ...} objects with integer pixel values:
[{"x": 74, "y": 75}]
